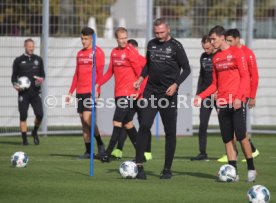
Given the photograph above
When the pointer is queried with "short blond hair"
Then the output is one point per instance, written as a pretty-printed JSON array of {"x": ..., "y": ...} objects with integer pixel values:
[
  {"x": 28, "y": 40},
  {"x": 118, "y": 30}
]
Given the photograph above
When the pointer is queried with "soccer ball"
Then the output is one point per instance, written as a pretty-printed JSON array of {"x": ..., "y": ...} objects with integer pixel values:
[
  {"x": 227, "y": 173},
  {"x": 24, "y": 82},
  {"x": 258, "y": 194},
  {"x": 19, "y": 159},
  {"x": 128, "y": 169}
]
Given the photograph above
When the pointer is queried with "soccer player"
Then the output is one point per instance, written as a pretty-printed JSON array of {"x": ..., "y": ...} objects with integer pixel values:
[
  {"x": 31, "y": 66},
  {"x": 124, "y": 64},
  {"x": 82, "y": 83},
  {"x": 230, "y": 80},
  {"x": 117, "y": 153},
  {"x": 165, "y": 60},
  {"x": 204, "y": 81},
  {"x": 233, "y": 38}
]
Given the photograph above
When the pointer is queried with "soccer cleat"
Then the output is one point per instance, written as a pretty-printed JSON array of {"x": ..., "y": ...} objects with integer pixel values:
[
  {"x": 35, "y": 136},
  {"x": 166, "y": 174},
  {"x": 117, "y": 154},
  {"x": 141, "y": 173},
  {"x": 105, "y": 159},
  {"x": 251, "y": 175},
  {"x": 148, "y": 156},
  {"x": 223, "y": 159},
  {"x": 200, "y": 157},
  {"x": 254, "y": 155}
]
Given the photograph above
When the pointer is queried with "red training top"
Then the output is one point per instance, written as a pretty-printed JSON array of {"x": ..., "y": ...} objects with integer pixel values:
[
  {"x": 253, "y": 71},
  {"x": 124, "y": 64},
  {"x": 143, "y": 62},
  {"x": 82, "y": 80},
  {"x": 230, "y": 76}
]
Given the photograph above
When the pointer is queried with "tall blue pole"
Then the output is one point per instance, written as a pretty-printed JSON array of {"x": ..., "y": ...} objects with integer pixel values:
[{"x": 93, "y": 105}]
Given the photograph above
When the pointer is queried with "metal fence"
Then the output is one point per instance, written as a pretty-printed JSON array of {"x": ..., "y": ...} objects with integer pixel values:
[{"x": 188, "y": 19}]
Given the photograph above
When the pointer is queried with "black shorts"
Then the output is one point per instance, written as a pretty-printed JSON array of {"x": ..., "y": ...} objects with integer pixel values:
[
  {"x": 84, "y": 102},
  {"x": 232, "y": 122},
  {"x": 25, "y": 99},
  {"x": 124, "y": 111}
]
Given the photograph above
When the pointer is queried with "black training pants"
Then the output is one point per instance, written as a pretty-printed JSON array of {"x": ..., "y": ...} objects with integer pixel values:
[
  {"x": 207, "y": 106},
  {"x": 167, "y": 107}
]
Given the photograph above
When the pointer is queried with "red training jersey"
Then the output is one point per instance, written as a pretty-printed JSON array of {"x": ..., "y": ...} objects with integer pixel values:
[
  {"x": 82, "y": 79},
  {"x": 143, "y": 62},
  {"x": 230, "y": 76},
  {"x": 124, "y": 64},
  {"x": 253, "y": 71}
]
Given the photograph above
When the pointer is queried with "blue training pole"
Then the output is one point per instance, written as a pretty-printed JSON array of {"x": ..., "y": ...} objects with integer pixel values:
[
  {"x": 157, "y": 126},
  {"x": 93, "y": 105}
]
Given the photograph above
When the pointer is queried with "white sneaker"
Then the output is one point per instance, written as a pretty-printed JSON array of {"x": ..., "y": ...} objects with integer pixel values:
[{"x": 251, "y": 175}]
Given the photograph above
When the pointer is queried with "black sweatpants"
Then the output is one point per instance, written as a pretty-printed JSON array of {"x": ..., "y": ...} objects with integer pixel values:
[
  {"x": 207, "y": 106},
  {"x": 167, "y": 107}
]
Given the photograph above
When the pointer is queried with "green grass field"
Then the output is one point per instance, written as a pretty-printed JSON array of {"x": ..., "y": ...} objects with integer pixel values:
[{"x": 54, "y": 174}]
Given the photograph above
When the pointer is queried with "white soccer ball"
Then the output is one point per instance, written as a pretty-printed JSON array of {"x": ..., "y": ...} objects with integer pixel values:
[
  {"x": 128, "y": 169},
  {"x": 19, "y": 159},
  {"x": 227, "y": 173},
  {"x": 24, "y": 82},
  {"x": 258, "y": 194}
]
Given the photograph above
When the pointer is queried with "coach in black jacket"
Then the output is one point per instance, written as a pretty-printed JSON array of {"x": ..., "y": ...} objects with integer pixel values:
[
  {"x": 31, "y": 66},
  {"x": 167, "y": 67}
]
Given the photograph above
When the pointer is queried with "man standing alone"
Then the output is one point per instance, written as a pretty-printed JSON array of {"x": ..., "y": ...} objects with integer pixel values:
[{"x": 31, "y": 66}]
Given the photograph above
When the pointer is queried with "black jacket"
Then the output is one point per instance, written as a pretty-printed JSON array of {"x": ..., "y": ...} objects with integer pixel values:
[
  {"x": 165, "y": 60},
  {"x": 205, "y": 74},
  {"x": 28, "y": 66}
]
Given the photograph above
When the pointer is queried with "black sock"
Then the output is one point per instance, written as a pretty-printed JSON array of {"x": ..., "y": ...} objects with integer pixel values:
[
  {"x": 87, "y": 147},
  {"x": 250, "y": 164},
  {"x": 98, "y": 140},
  {"x": 132, "y": 133},
  {"x": 121, "y": 140},
  {"x": 113, "y": 140},
  {"x": 36, "y": 129},
  {"x": 252, "y": 146},
  {"x": 24, "y": 135},
  {"x": 233, "y": 163}
]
